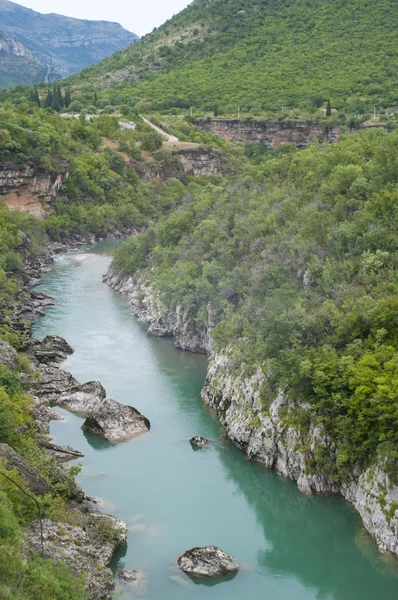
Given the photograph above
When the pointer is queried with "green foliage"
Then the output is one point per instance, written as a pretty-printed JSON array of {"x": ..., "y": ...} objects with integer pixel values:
[
  {"x": 152, "y": 141},
  {"x": 297, "y": 261},
  {"x": 36, "y": 577}
]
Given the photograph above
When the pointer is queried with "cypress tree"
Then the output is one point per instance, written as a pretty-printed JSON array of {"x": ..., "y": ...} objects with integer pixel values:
[
  {"x": 49, "y": 100},
  {"x": 95, "y": 99},
  {"x": 36, "y": 96},
  {"x": 328, "y": 109}
]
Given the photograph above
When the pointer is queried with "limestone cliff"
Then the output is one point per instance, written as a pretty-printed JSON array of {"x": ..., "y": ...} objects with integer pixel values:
[
  {"x": 28, "y": 190},
  {"x": 182, "y": 160},
  {"x": 270, "y": 132}
]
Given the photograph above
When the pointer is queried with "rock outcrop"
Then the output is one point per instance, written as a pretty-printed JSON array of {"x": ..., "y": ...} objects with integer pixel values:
[
  {"x": 33, "y": 479},
  {"x": 181, "y": 161},
  {"x": 52, "y": 350},
  {"x": 26, "y": 189},
  {"x": 8, "y": 356},
  {"x": 84, "y": 550},
  {"x": 270, "y": 132},
  {"x": 207, "y": 562},
  {"x": 163, "y": 321}
]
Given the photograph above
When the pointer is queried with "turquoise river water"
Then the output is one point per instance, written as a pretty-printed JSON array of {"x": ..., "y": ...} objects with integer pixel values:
[{"x": 291, "y": 547}]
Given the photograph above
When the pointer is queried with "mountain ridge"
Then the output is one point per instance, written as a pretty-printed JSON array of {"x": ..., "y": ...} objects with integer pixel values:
[{"x": 56, "y": 46}]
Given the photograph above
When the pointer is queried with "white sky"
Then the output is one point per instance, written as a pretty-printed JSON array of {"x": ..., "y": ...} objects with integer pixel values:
[{"x": 139, "y": 16}]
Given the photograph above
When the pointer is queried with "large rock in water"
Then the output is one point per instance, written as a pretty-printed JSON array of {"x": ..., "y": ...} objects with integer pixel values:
[
  {"x": 8, "y": 356},
  {"x": 34, "y": 480},
  {"x": 115, "y": 422},
  {"x": 53, "y": 349},
  {"x": 208, "y": 562},
  {"x": 84, "y": 550}
]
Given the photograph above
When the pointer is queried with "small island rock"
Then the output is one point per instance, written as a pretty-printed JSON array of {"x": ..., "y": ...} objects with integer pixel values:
[
  {"x": 207, "y": 562},
  {"x": 199, "y": 441}
]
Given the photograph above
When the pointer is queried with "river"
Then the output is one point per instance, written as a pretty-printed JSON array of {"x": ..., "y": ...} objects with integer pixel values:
[{"x": 291, "y": 547}]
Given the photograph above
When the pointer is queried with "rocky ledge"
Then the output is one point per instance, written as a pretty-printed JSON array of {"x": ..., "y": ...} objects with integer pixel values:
[
  {"x": 84, "y": 549},
  {"x": 207, "y": 562},
  {"x": 266, "y": 435}
]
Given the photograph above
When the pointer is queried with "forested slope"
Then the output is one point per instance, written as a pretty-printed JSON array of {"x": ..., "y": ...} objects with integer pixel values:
[
  {"x": 260, "y": 55},
  {"x": 295, "y": 265}
]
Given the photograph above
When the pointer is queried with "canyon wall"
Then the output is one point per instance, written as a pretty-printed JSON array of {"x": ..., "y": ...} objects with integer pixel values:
[
  {"x": 270, "y": 132},
  {"x": 266, "y": 429}
]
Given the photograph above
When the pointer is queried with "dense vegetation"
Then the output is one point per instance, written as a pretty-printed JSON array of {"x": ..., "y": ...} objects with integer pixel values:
[
  {"x": 297, "y": 262},
  {"x": 258, "y": 55}
]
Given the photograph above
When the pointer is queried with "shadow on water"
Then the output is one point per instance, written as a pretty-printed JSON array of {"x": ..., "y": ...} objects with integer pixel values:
[
  {"x": 316, "y": 538},
  {"x": 211, "y": 581},
  {"x": 97, "y": 443}
]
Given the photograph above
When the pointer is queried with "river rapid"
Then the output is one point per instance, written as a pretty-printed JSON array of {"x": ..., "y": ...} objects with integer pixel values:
[{"x": 172, "y": 498}]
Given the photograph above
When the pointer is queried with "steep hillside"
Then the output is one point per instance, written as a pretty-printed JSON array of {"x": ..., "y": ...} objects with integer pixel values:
[
  {"x": 260, "y": 55},
  {"x": 36, "y": 47}
]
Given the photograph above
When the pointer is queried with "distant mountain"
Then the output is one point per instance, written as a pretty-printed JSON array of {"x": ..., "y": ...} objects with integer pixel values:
[
  {"x": 36, "y": 47},
  {"x": 261, "y": 55}
]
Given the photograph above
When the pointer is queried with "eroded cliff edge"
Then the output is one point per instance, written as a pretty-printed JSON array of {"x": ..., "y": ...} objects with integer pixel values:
[{"x": 268, "y": 431}]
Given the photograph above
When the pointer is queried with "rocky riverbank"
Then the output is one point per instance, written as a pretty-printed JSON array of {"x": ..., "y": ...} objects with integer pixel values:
[
  {"x": 266, "y": 432},
  {"x": 85, "y": 539}
]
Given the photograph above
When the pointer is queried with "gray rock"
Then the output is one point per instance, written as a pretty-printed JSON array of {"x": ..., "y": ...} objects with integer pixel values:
[
  {"x": 61, "y": 453},
  {"x": 82, "y": 399},
  {"x": 42, "y": 416},
  {"x": 34, "y": 480},
  {"x": 199, "y": 441},
  {"x": 207, "y": 562},
  {"x": 8, "y": 356},
  {"x": 53, "y": 382},
  {"x": 136, "y": 581},
  {"x": 115, "y": 422},
  {"x": 84, "y": 550},
  {"x": 53, "y": 349}
]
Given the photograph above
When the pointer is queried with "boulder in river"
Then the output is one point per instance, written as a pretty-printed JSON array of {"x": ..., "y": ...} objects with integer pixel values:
[
  {"x": 207, "y": 562},
  {"x": 199, "y": 441},
  {"x": 137, "y": 581},
  {"x": 115, "y": 422},
  {"x": 8, "y": 356},
  {"x": 53, "y": 382},
  {"x": 53, "y": 349}
]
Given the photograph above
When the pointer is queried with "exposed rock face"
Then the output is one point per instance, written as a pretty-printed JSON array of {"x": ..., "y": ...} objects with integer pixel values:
[
  {"x": 61, "y": 453},
  {"x": 115, "y": 422},
  {"x": 8, "y": 356},
  {"x": 207, "y": 562},
  {"x": 163, "y": 321},
  {"x": 180, "y": 162},
  {"x": 48, "y": 47},
  {"x": 199, "y": 442},
  {"x": 27, "y": 190},
  {"x": 83, "y": 550},
  {"x": 265, "y": 435},
  {"x": 52, "y": 383},
  {"x": 136, "y": 581},
  {"x": 35, "y": 482},
  {"x": 269, "y": 132}
]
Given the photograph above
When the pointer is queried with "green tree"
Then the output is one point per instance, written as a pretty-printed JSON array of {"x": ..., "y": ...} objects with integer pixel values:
[{"x": 328, "y": 108}]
